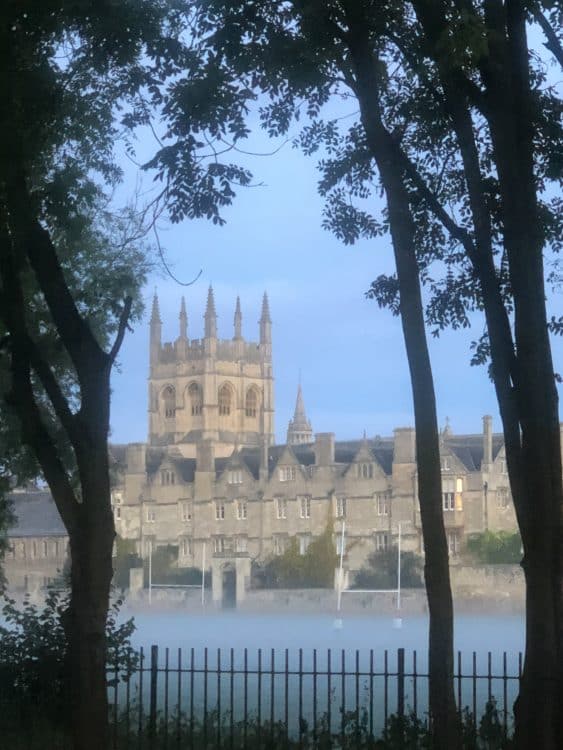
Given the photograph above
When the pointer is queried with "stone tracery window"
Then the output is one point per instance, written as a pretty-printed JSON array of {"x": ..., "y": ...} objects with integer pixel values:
[
  {"x": 169, "y": 402},
  {"x": 225, "y": 400},
  {"x": 251, "y": 406},
  {"x": 196, "y": 399}
]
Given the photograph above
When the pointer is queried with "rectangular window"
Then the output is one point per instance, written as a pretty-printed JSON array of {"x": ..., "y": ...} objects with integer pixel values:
[
  {"x": 503, "y": 469},
  {"x": 287, "y": 473},
  {"x": 304, "y": 542},
  {"x": 241, "y": 544},
  {"x": 305, "y": 506},
  {"x": 117, "y": 512},
  {"x": 185, "y": 511},
  {"x": 448, "y": 494},
  {"x": 241, "y": 509},
  {"x": 502, "y": 497},
  {"x": 234, "y": 476},
  {"x": 281, "y": 507},
  {"x": 381, "y": 541},
  {"x": 34, "y": 549},
  {"x": 151, "y": 515},
  {"x": 167, "y": 477},
  {"x": 340, "y": 544},
  {"x": 56, "y": 549},
  {"x": 453, "y": 543},
  {"x": 219, "y": 544},
  {"x": 383, "y": 504},
  {"x": 341, "y": 507},
  {"x": 117, "y": 498},
  {"x": 220, "y": 511},
  {"x": 45, "y": 549},
  {"x": 446, "y": 463},
  {"x": 279, "y": 544},
  {"x": 186, "y": 547}
]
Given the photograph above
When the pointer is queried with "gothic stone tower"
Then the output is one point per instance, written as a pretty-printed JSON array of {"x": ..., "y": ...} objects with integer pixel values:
[{"x": 219, "y": 390}]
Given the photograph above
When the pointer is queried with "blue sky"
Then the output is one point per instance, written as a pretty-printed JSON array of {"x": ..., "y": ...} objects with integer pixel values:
[{"x": 350, "y": 353}]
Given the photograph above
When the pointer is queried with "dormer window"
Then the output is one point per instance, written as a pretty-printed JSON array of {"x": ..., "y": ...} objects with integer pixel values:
[
  {"x": 365, "y": 471},
  {"x": 287, "y": 473},
  {"x": 446, "y": 463},
  {"x": 234, "y": 476},
  {"x": 167, "y": 477}
]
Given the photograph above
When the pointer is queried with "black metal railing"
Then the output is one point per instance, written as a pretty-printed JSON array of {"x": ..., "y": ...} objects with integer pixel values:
[{"x": 277, "y": 698}]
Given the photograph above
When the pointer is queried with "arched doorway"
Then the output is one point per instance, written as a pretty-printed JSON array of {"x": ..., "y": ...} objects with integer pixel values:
[{"x": 229, "y": 576}]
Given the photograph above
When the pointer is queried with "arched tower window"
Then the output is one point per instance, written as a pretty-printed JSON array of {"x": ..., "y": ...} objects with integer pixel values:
[
  {"x": 225, "y": 400},
  {"x": 169, "y": 402},
  {"x": 251, "y": 406},
  {"x": 196, "y": 399}
]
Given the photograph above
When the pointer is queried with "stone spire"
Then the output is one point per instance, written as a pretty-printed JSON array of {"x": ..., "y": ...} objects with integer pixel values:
[
  {"x": 155, "y": 331},
  {"x": 299, "y": 429},
  {"x": 210, "y": 316},
  {"x": 238, "y": 320},
  {"x": 155, "y": 314},
  {"x": 183, "y": 320}
]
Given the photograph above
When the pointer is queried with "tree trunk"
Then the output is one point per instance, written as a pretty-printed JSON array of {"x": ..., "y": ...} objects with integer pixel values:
[
  {"x": 446, "y": 730},
  {"x": 91, "y": 574}
]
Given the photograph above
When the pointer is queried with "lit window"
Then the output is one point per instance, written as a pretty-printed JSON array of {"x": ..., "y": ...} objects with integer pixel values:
[
  {"x": 220, "y": 511},
  {"x": 305, "y": 507},
  {"x": 241, "y": 509},
  {"x": 251, "y": 405},
  {"x": 196, "y": 399},
  {"x": 151, "y": 515},
  {"x": 186, "y": 511},
  {"x": 234, "y": 476},
  {"x": 169, "y": 402},
  {"x": 241, "y": 544},
  {"x": 383, "y": 504},
  {"x": 225, "y": 400},
  {"x": 381, "y": 541},
  {"x": 341, "y": 507},
  {"x": 287, "y": 474},
  {"x": 279, "y": 544},
  {"x": 448, "y": 494},
  {"x": 304, "y": 542},
  {"x": 219, "y": 544},
  {"x": 281, "y": 507},
  {"x": 185, "y": 547},
  {"x": 453, "y": 543},
  {"x": 502, "y": 497}
]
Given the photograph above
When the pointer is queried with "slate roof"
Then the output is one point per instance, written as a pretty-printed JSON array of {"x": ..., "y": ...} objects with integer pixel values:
[
  {"x": 469, "y": 449},
  {"x": 36, "y": 515}
]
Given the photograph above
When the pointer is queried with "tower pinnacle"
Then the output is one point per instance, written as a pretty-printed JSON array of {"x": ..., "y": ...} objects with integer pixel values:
[
  {"x": 210, "y": 316},
  {"x": 266, "y": 326},
  {"x": 155, "y": 314},
  {"x": 238, "y": 320},
  {"x": 183, "y": 320}
]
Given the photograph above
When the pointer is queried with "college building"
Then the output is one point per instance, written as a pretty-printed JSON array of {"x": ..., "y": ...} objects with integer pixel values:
[{"x": 211, "y": 481}]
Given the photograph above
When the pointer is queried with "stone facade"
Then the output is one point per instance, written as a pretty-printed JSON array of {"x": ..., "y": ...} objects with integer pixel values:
[{"x": 211, "y": 481}]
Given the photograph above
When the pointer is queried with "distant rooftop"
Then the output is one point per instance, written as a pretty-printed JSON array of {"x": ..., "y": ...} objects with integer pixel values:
[{"x": 36, "y": 515}]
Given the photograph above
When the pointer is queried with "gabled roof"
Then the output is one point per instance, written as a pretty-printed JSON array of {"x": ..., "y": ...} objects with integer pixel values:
[
  {"x": 346, "y": 451},
  {"x": 36, "y": 515},
  {"x": 469, "y": 449}
]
